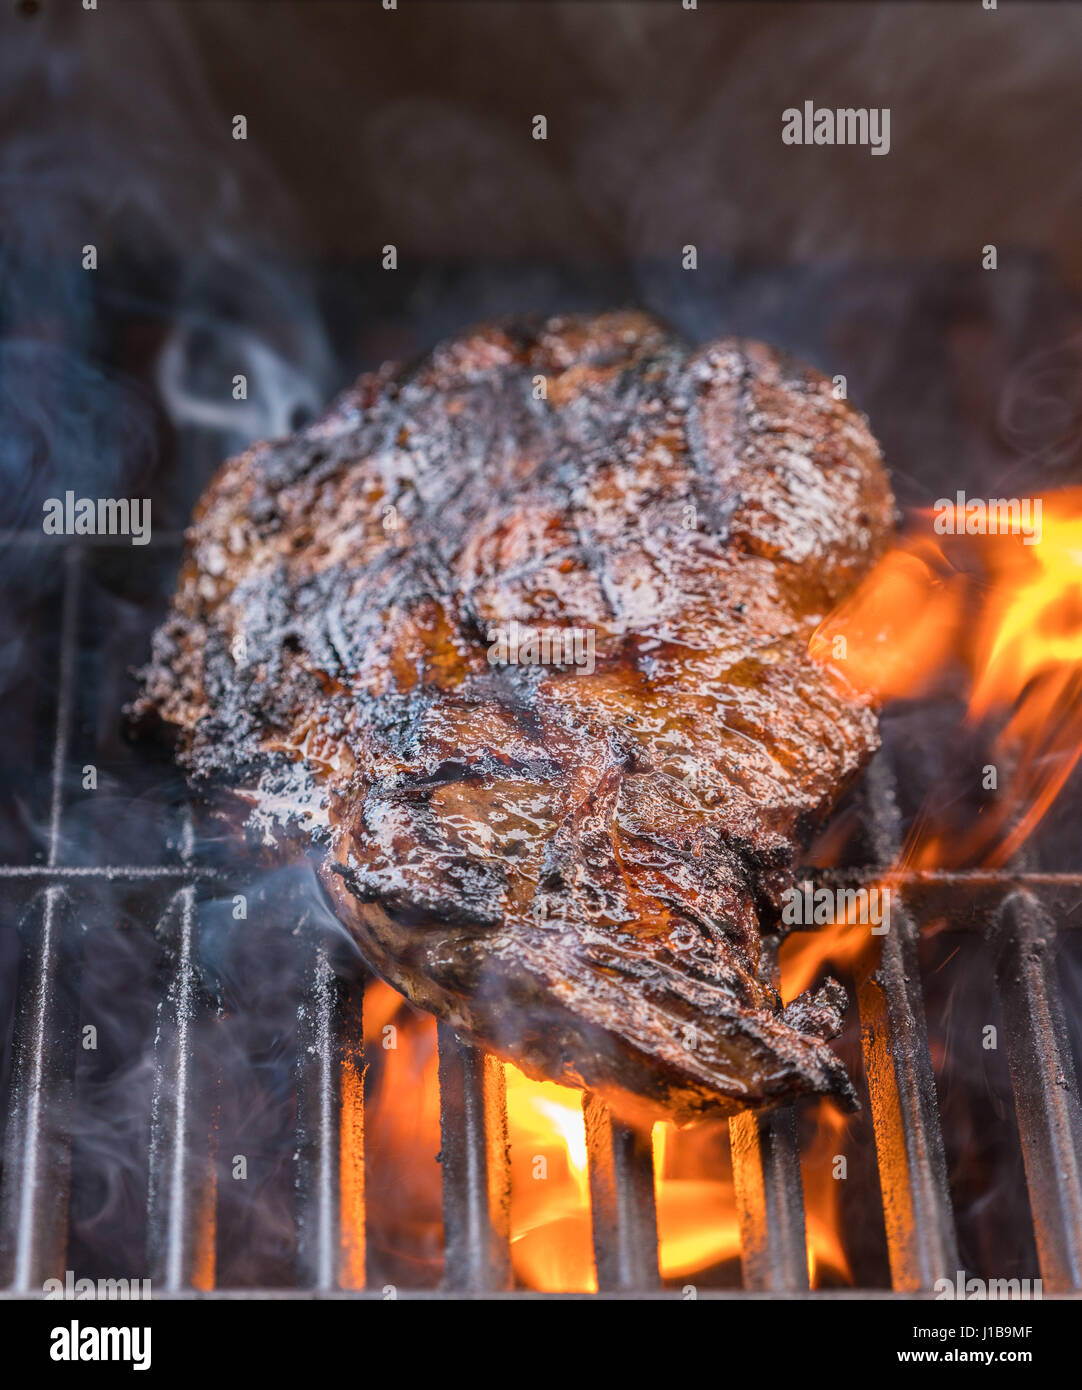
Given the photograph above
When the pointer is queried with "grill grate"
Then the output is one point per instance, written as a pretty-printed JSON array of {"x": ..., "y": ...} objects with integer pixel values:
[{"x": 1016, "y": 909}]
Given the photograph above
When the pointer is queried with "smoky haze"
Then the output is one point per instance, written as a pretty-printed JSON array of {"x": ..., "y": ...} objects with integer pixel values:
[
  {"x": 413, "y": 128},
  {"x": 664, "y": 126}
]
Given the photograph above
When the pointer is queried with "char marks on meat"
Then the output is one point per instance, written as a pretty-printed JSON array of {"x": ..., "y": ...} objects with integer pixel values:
[{"x": 574, "y": 867}]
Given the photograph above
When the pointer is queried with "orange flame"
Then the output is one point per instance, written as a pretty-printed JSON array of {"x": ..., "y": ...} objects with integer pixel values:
[
  {"x": 827, "y": 1260},
  {"x": 900, "y": 629},
  {"x": 1009, "y": 613},
  {"x": 697, "y": 1220},
  {"x": 551, "y": 1230},
  {"x": 403, "y": 1194},
  {"x": 1031, "y": 647},
  {"x": 551, "y": 1238},
  {"x": 840, "y": 944},
  {"x": 1008, "y": 616}
]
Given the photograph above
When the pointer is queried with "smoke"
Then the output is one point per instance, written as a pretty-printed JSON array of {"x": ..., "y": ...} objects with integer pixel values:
[
  {"x": 112, "y": 141},
  {"x": 135, "y": 285},
  {"x": 245, "y": 1054}
]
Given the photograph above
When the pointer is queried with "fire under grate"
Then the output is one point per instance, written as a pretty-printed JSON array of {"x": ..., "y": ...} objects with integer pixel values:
[{"x": 1016, "y": 909}]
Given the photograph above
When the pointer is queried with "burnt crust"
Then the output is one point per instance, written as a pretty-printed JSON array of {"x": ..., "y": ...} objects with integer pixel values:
[{"x": 575, "y": 869}]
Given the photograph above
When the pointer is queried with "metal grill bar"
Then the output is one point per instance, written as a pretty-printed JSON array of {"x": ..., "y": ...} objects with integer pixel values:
[
  {"x": 108, "y": 871},
  {"x": 181, "y": 1198},
  {"x": 769, "y": 1189},
  {"x": 330, "y": 1125},
  {"x": 770, "y": 1201},
  {"x": 917, "y": 1210},
  {"x": 331, "y": 1253},
  {"x": 1044, "y": 1084},
  {"x": 37, "y": 1156},
  {"x": 621, "y": 1201},
  {"x": 476, "y": 1167},
  {"x": 965, "y": 896},
  {"x": 37, "y": 1159}
]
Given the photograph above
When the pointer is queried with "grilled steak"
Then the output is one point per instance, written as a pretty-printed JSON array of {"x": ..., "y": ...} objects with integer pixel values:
[{"x": 567, "y": 844}]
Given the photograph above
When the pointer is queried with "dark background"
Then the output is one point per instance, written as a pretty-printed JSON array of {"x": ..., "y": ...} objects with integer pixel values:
[{"x": 413, "y": 127}]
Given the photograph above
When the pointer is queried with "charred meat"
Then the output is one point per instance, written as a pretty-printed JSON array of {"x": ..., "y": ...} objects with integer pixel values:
[{"x": 517, "y": 635}]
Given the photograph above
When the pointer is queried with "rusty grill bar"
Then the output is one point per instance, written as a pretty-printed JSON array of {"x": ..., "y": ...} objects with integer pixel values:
[
  {"x": 909, "y": 1143},
  {"x": 769, "y": 1192},
  {"x": 1044, "y": 1084},
  {"x": 622, "y": 1204},
  {"x": 1016, "y": 908}
]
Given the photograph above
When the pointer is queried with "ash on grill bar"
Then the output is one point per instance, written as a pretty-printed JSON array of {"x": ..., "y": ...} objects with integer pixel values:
[{"x": 221, "y": 229}]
